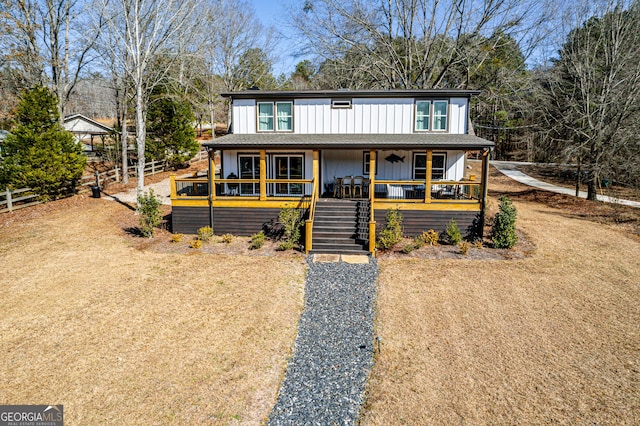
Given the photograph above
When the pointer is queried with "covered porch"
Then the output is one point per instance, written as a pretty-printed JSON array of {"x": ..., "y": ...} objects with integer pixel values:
[{"x": 255, "y": 182}]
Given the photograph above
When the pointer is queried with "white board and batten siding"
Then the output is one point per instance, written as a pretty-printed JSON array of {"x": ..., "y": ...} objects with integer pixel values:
[
  {"x": 366, "y": 116},
  {"x": 351, "y": 163},
  {"x": 338, "y": 163}
]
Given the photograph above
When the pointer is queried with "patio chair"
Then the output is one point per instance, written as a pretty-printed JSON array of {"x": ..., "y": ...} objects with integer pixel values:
[
  {"x": 337, "y": 187},
  {"x": 357, "y": 185},
  {"x": 347, "y": 189},
  {"x": 395, "y": 192}
]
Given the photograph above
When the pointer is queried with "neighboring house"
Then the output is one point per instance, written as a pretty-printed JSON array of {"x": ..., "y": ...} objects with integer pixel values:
[
  {"x": 345, "y": 158},
  {"x": 87, "y": 131}
]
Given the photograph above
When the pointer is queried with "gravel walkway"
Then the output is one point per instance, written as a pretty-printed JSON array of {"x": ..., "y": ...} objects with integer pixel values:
[{"x": 333, "y": 352}]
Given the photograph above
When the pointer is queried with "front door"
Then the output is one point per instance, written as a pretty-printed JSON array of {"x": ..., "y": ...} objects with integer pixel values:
[{"x": 288, "y": 167}]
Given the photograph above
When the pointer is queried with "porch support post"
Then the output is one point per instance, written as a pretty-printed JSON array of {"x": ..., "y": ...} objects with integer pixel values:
[
  {"x": 212, "y": 185},
  {"x": 212, "y": 175},
  {"x": 372, "y": 199},
  {"x": 427, "y": 178},
  {"x": 263, "y": 175},
  {"x": 308, "y": 236},
  {"x": 172, "y": 187},
  {"x": 485, "y": 190},
  {"x": 316, "y": 172}
]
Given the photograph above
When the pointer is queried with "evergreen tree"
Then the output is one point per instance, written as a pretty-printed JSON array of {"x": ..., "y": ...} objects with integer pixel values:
[
  {"x": 170, "y": 122},
  {"x": 503, "y": 231},
  {"x": 39, "y": 153}
]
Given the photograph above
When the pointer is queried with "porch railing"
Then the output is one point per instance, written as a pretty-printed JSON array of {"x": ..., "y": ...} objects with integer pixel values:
[
  {"x": 413, "y": 190},
  {"x": 309, "y": 222},
  {"x": 244, "y": 188},
  {"x": 392, "y": 190}
]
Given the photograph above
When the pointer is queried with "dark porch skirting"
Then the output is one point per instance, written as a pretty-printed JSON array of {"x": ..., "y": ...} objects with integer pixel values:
[
  {"x": 415, "y": 222},
  {"x": 226, "y": 220}
]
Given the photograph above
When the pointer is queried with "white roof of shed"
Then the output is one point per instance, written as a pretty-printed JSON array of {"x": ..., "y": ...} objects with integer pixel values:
[{"x": 81, "y": 125}]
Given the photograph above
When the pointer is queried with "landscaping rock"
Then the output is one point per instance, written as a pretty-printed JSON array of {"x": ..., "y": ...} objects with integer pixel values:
[{"x": 333, "y": 352}]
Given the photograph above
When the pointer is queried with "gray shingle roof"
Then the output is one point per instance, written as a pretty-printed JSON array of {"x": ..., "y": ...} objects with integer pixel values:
[
  {"x": 353, "y": 141},
  {"x": 393, "y": 93}
]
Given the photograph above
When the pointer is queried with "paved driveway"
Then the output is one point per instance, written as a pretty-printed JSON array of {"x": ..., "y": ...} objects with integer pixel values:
[{"x": 511, "y": 169}]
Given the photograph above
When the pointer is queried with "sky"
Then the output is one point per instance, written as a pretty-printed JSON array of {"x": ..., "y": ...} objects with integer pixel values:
[{"x": 273, "y": 12}]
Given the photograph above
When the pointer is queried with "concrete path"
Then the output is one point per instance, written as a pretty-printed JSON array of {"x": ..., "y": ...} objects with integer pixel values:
[
  {"x": 512, "y": 170},
  {"x": 161, "y": 189}
]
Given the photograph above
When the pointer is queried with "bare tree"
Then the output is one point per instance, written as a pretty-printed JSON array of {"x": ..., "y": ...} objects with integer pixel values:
[
  {"x": 21, "y": 50},
  {"x": 590, "y": 98},
  {"x": 47, "y": 41},
  {"x": 232, "y": 30},
  {"x": 144, "y": 30},
  {"x": 412, "y": 43}
]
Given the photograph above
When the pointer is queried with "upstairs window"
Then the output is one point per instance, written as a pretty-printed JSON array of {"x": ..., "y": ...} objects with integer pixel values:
[
  {"x": 284, "y": 111},
  {"x": 431, "y": 116},
  {"x": 265, "y": 116},
  {"x": 423, "y": 110},
  {"x": 440, "y": 115},
  {"x": 276, "y": 116}
]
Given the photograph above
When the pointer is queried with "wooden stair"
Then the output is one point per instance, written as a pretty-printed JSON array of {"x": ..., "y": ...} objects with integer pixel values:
[{"x": 335, "y": 228}]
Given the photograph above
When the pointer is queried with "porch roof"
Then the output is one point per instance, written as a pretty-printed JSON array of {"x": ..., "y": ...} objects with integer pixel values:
[{"x": 353, "y": 141}]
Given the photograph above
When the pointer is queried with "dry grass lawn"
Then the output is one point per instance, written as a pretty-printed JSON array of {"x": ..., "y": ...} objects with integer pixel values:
[
  {"x": 550, "y": 338},
  {"x": 123, "y": 330},
  {"x": 121, "y": 335}
]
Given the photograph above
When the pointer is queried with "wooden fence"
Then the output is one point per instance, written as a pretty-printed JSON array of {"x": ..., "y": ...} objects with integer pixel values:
[{"x": 16, "y": 199}]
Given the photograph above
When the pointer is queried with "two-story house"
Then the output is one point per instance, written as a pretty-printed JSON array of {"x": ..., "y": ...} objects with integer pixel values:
[{"x": 345, "y": 158}]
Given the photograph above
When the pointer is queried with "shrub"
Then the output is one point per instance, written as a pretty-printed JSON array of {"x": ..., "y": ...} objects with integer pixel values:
[
  {"x": 149, "y": 210},
  {"x": 478, "y": 243},
  {"x": 176, "y": 238},
  {"x": 392, "y": 233},
  {"x": 408, "y": 248},
  {"x": 205, "y": 233},
  {"x": 285, "y": 245},
  {"x": 291, "y": 220},
  {"x": 257, "y": 240},
  {"x": 464, "y": 247},
  {"x": 503, "y": 230},
  {"x": 454, "y": 236},
  {"x": 430, "y": 237},
  {"x": 227, "y": 238},
  {"x": 196, "y": 244}
]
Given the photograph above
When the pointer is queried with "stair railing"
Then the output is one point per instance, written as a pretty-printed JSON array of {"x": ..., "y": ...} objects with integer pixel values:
[{"x": 308, "y": 239}]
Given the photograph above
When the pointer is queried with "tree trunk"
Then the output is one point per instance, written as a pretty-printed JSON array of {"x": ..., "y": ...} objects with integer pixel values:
[
  {"x": 125, "y": 155},
  {"x": 124, "y": 134},
  {"x": 591, "y": 185},
  {"x": 141, "y": 133},
  {"x": 591, "y": 194},
  {"x": 578, "y": 176}
]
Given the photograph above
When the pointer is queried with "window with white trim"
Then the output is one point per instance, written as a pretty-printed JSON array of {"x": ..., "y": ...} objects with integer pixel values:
[
  {"x": 438, "y": 165},
  {"x": 249, "y": 168},
  {"x": 440, "y": 109},
  {"x": 275, "y": 116},
  {"x": 366, "y": 162},
  {"x": 423, "y": 114},
  {"x": 431, "y": 115}
]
